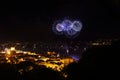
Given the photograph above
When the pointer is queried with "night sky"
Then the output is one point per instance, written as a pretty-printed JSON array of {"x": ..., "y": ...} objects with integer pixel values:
[{"x": 33, "y": 20}]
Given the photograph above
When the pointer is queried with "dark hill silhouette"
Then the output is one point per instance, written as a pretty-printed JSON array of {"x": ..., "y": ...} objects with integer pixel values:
[
  {"x": 8, "y": 72},
  {"x": 100, "y": 62}
]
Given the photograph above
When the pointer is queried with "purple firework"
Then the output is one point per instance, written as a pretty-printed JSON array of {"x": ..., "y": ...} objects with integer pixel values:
[{"x": 68, "y": 28}]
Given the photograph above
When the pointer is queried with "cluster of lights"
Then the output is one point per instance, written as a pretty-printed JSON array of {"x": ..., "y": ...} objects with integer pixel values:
[
  {"x": 67, "y": 27},
  {"x": 55, "y": 64}
]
